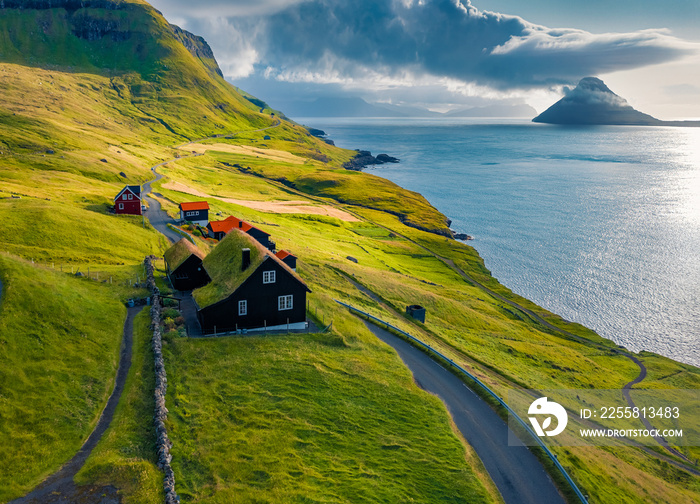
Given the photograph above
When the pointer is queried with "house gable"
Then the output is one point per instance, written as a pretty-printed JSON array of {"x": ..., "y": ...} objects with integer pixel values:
[
  {"x": 265, "y": 303},
  {"x": 267, "y": 293},
  {"x": 184, "y": 265},
  {"x": 134, "y": 191}
]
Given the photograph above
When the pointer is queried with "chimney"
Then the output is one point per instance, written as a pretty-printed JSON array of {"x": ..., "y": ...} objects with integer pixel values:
[{"x": 246, "y": 259}]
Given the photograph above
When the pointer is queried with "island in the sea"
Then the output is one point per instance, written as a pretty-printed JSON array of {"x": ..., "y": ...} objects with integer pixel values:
[{"x": 592, "y": 102}]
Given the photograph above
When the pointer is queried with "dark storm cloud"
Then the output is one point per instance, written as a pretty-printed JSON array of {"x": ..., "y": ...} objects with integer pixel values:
[
  {"x": 452, "y": 39},
  {"x": 340, "y": 39}
]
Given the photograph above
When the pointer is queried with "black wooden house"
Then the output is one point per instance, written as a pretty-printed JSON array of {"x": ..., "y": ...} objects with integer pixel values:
[
  {"x": 183, "y": 262},
  {"x": 251, "y": 289}
]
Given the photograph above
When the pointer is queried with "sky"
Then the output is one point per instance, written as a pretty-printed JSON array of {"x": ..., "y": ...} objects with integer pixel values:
[{"x": 446, "y": 54}]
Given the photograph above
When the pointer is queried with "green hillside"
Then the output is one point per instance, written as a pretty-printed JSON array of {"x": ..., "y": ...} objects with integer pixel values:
[{"x": 95, "y": 92}]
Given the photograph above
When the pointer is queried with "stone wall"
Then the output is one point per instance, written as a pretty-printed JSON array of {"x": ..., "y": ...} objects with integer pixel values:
[{"x": 163, "y": 443}]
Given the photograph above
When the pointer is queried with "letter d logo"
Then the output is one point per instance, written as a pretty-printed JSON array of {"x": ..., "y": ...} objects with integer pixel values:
[{"x": 542, "y": 407}]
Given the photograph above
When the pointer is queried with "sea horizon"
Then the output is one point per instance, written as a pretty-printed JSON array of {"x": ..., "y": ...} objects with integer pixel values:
[{"x": 616, "y": 198}]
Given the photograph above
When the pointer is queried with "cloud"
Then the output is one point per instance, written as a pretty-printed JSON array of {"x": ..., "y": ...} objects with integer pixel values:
[
  {"x": 682, "y": 89},
  {"x": 222, "y": 8},
  {"x": 396, "y": 42}
]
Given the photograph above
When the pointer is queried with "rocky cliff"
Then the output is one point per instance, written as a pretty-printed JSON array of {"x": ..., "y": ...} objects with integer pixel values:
[{"x": 198, "y": 47}]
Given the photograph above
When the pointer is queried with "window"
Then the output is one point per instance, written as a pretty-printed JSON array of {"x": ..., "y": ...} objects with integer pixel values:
[
  {"x": 243, "y": 307},
  {"x": 124, "y": 198},
  {"x": 268, "y": 277},
  {"x": 188, "y": 214},
  {"x": 284, "y": 302},
  {"x": 131, "y": 196},
  {"x": 121, "y": 206}
]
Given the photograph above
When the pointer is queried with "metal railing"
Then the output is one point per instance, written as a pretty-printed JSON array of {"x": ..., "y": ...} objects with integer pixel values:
[
  {"x": 528, "y": 429},
  {"x": 182, "y": 233}
]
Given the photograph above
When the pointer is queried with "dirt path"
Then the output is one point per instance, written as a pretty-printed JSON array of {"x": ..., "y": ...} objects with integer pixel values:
[
  {"x": 59, "y": 487},
  {"x": 278, "y": 206}
]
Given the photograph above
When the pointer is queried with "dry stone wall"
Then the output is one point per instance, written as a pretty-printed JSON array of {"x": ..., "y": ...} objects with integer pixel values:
[{"x": 163, "y": 443}]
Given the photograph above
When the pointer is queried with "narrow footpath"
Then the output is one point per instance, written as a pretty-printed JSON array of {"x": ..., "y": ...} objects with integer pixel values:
[
  {"x": 59, "y": 487},
  {"x": 516, "y": 472}
]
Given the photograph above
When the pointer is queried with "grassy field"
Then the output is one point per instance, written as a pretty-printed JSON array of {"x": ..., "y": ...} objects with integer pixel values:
[
  {"x": 264, "y": 422},
  {"x": 59, "y": 345}
]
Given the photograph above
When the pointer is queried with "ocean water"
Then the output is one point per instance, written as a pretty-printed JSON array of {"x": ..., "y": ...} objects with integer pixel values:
[{"x": 598, "y": 224}]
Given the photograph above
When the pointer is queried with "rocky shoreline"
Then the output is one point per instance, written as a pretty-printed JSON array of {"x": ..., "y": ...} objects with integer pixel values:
[{"x": 365, "y": 158}]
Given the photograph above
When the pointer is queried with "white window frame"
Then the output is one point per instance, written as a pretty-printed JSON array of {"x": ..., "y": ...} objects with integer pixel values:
[
  {"x": 121, "y": 206},
  {"x": 269, "y": 277},
  {"x": 131, "y": 196},
  {"x": 125, "y": 197},
  {"x": 243, "y": 307},
  {"x": 285, "y": 302}
]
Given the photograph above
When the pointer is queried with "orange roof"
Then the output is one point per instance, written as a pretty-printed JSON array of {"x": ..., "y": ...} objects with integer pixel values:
[
  {"x": 223, "y": 226},
  {"x": 283, "y": 253},
  {"x": 194, "y": 205}
]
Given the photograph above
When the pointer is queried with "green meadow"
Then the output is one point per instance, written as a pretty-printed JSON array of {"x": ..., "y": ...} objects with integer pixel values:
[
  {"x": 263, "y": 422},
  {"x": 334, "y": 417},
  {"x": 59, "y": 346}
]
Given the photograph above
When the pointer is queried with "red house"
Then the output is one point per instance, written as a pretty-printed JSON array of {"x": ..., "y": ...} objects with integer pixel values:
[{"x": 128, "y": 201}]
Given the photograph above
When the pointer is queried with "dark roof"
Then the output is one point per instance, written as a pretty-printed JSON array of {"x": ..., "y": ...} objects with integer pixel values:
[
  {"x": 136, "y": 189},
  {"x": 223, "y": 264},
  {"x": 178, "y": 253}
]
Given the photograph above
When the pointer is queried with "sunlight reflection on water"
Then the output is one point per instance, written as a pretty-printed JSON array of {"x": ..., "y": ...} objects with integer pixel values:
[{"x": 598, "y": 224}]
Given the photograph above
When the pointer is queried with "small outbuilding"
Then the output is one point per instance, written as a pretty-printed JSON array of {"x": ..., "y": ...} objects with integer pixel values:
[
  {"x": 128, "y": 201},
  {"x": 250, "y": 289},
  {"x": 417, "y": 312},
  {"x": 183, "y": 262},
  {"x": 196, "y": 212},
  {"x": 287, "y": 258}
]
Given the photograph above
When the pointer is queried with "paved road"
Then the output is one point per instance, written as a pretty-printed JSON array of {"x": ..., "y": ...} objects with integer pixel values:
[
  {"x": 517, "y": 473},
  {"x": 59, "y": 487},
  {"x": 158, "y": 218}
]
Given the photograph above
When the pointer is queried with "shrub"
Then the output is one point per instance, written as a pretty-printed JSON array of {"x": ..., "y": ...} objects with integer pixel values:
[{"x": 169, "y": 324}]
